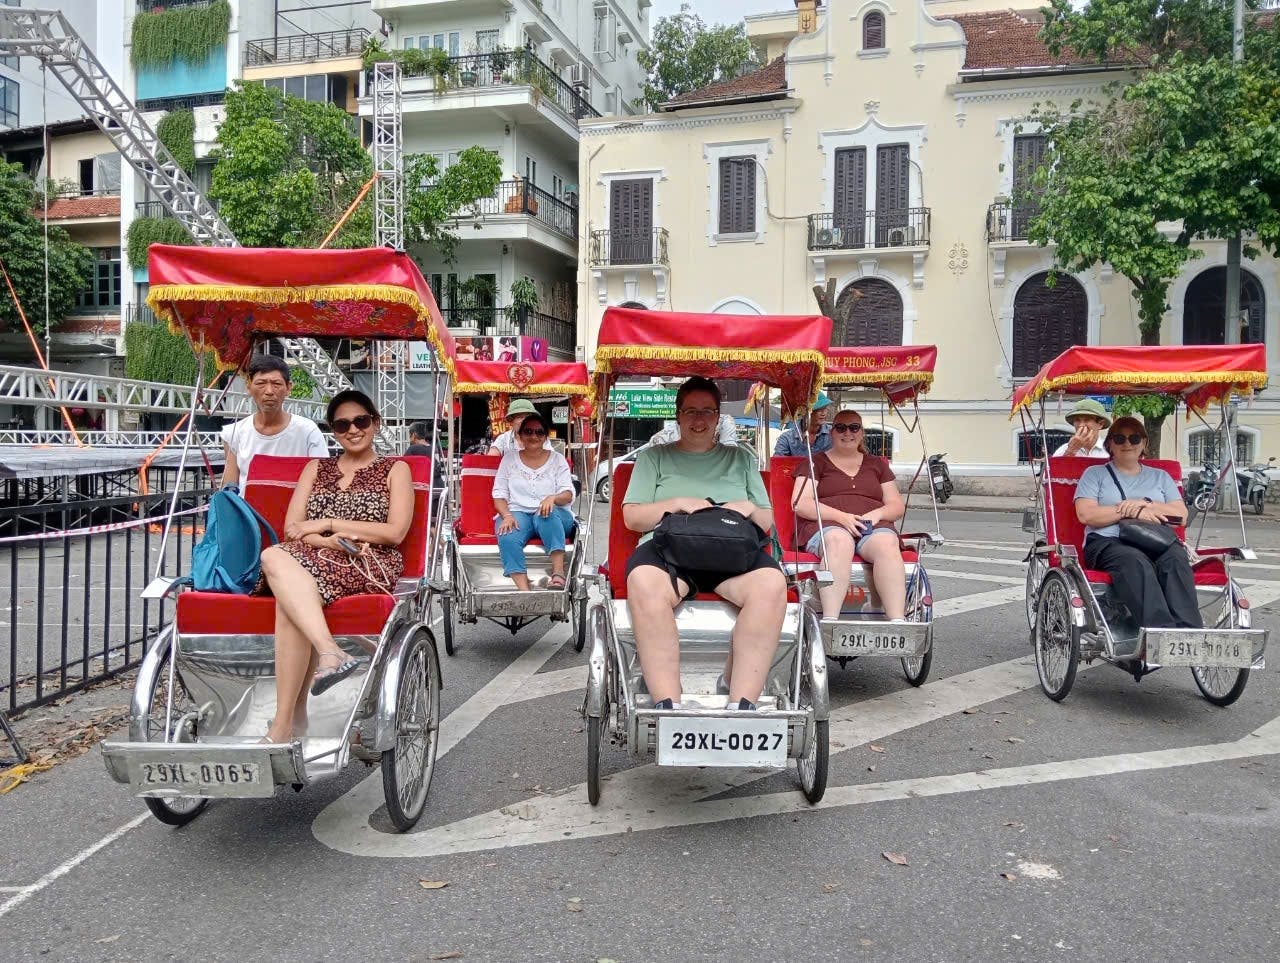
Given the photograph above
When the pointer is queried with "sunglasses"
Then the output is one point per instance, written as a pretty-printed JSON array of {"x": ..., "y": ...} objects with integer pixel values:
[
  {"x": 534, "y": 432},
  {"x": 1134, "y": 439},
  {"x": 841, "y": 427},
  {"x": 343, "y": 425}
]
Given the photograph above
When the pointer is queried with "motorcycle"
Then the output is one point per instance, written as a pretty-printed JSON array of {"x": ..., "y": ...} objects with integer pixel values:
[
  {"x": 940, "y": 478},
  {"x": 1253, "y": 486},
  {"x": 1201, "y": 491}
]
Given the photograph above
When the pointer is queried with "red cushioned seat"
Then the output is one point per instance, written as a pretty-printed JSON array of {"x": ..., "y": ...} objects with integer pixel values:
[
  {"x": 476, "y": 514},
  {"x": 269, "y": 488}
]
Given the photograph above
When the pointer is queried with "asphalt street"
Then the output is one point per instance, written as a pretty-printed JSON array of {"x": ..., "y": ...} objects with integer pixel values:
[{"x": 969, "y": 819}]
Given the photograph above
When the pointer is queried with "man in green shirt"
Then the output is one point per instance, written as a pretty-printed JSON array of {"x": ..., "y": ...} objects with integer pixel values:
[{"x": 684, "y": 477}]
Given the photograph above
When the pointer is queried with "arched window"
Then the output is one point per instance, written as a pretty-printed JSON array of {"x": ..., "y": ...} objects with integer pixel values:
[
  {"x": 735, "y": 306},
  {"x": 639, "y": 306},
  {"x": 1204, "y": 308},
  {"x": 1047, "y": 321},
  {"x": 868, "y": 311},
  {"x": 873, "y": 31}
]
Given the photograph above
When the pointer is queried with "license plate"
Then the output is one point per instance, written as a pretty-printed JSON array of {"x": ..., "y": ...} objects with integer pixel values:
[
  {"x": 722, "y": 742},
  {"x": 1187, "y": 649},
  {"x": 195, "y": 776},
  {"x": 863, "y": 642}
]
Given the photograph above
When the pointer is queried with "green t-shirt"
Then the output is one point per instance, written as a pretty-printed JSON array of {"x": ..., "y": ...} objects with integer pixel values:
[{"x": 726, "y": 473}]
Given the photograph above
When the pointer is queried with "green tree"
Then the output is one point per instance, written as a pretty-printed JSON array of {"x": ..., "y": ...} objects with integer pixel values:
[
  {"x": 23, "y": 251},
  {"x": 434, "y": 200},
  {"x": 687, "y": 55}
]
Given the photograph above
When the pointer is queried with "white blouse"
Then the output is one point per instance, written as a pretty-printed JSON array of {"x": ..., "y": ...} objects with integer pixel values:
[{"x": 523, "y": 488}]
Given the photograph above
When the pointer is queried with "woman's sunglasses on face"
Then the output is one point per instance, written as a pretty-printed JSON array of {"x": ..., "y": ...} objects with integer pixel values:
[
  {"x": 534, "y": 432},
  {"x": 840, "y": 427},
  {"x": 343, "y": 425},
  {"x": 1133, "y": 439}
]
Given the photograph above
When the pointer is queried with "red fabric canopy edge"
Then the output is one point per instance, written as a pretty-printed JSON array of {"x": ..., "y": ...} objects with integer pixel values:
[{"x": 521, "y": 377}]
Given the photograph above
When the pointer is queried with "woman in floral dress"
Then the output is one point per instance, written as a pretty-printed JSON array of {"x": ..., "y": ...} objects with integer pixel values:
[{"x": 357, "y": 500}]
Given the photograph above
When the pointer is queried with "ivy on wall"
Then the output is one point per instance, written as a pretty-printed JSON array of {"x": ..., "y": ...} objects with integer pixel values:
[
  {"x": 145, "y": 231},
  {"x": 154, "y": 353},
  {"x": 188, "y": 34},
  {"x": 177, "y": 131}
]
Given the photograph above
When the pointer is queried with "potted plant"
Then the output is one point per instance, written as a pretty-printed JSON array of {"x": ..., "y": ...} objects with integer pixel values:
[
  {"x": 468, "y": 73},
  {"x": 438, "y": 65},
  {"x": 373, "y": 52},
  {"x": 524, "y": 301},
  {"x": 500, "y": 60}
]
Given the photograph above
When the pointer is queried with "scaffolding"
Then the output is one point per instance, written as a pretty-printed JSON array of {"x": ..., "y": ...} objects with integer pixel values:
[{"x": 389, "y": 357}]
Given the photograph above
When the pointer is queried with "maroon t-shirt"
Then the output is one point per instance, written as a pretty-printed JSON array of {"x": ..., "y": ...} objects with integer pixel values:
[{"x": 857, "y": 495}]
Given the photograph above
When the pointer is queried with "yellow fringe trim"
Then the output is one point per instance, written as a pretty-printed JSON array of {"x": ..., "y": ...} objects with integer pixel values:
[
  {"x": 501, "y": 387},
  {"x": 1244, "y": 382},
  {"x": 605, "y": 354},
  {"x": 160, "y": 296},
  {"x": 924, "y": 379}
]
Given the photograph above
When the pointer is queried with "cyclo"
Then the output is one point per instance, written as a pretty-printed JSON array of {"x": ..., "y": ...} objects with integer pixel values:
[
  {"x": 472, "y": 562},
  {"x": 898, "y": 375},
  {"x": 1070, "y": 608},
  {"x": 793, "y": 711},
  {"x": 206, "y": 690}
]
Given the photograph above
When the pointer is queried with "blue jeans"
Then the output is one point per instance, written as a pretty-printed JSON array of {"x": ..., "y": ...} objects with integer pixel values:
[{"x": 553, "y": 530}]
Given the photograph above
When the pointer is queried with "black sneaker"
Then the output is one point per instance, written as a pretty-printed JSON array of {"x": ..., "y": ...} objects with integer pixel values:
[
  {"x": 664, "y": 704},
  {"x": 744, "y": 705}
]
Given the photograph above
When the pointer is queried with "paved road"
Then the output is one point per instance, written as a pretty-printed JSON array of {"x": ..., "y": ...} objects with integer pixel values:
[{"x": 1133, "y": 821}]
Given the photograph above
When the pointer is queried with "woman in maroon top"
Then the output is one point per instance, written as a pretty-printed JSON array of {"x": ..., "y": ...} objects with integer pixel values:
[{"x": 860, "y": 503}]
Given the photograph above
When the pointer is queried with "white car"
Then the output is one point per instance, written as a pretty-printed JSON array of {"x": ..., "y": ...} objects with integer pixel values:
[{"x": 602, "y": 477}]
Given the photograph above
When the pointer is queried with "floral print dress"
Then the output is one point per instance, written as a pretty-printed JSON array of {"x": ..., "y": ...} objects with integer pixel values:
[{"x": 367, "y": 499}]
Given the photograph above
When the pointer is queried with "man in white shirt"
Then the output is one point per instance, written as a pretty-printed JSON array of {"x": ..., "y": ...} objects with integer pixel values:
[
  {"x": 517, "y": 412},
  {"x": 1089, "y": 419},
  {"x": 270, "y": 430}
]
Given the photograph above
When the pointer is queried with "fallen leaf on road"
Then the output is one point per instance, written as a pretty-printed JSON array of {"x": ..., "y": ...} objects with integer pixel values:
[
  {"x": 1009, "y": 876},
  {"x": 874, "y": 748},
  {"x": 574, "y": 907},
  {"x": 1015, "y": 824},
  {"x": 972, "y": 712},
  {"x": 451, "y": 955},
  {"x": 865, "y": 942},
  {"x": 871, "y": 768},
  {"x": 432, "y": 883},
  {"x": 896, "y": 858},
  {"x": 828, "y": 887},
  {"x": 108, "y": 939},
  {"x": 1015, "y": 739}
]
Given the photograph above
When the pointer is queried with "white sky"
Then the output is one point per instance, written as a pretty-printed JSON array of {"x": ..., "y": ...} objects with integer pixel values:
[{"x": 719, "y": 11}]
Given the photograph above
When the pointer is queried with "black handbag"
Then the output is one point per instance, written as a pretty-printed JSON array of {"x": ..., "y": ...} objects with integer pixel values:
[
  {"x": 1151, "y": 538},
  {"x": 712, "y": 539}
]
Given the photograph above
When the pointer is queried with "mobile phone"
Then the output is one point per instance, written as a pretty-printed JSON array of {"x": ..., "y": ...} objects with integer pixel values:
[{"x": 348, "y": 546}]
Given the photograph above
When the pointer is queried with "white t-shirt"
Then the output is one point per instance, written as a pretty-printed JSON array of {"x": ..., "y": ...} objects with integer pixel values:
[
  {"x": 300, "y": 436},
  {"x": 507, "y": 441},
  {"x": 1098, "y": 452},
  {"x": 524, "y": 488}
]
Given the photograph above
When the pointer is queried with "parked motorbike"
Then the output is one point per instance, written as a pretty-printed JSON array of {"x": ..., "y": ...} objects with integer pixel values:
[
  {"x": 1200, "y": 492},
  {"x": 1253, "y": 486},
  {"x": 940, "y": 478}
]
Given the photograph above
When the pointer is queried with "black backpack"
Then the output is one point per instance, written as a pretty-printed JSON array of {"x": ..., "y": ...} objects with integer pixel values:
[{"x": 712, "y": 539}]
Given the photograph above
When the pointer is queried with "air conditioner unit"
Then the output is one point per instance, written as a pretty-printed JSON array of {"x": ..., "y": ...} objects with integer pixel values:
[
  {"x": 900, "y": 236},
  {"x": 830, "y": 237},
  {"x": 580, "y": 75}
]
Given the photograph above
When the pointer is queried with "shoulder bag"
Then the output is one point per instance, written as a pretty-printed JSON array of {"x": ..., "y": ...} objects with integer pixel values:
[
  {"x": 712, "y": 539},
  {"x": 1151, "y": 538}
]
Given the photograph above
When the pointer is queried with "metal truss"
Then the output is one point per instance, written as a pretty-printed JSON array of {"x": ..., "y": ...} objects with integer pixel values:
[
  {"x": 208, "y": 440},
  {"x": 389, "y": 357}
]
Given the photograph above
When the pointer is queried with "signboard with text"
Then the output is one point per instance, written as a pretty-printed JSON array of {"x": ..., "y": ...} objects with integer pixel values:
[{"x": 646, "y": 402}]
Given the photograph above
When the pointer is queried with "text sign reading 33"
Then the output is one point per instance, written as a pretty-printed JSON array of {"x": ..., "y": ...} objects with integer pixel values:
[{"x": 745, "y": 741}]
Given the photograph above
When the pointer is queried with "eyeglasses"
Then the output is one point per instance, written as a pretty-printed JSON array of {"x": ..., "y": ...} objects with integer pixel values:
[
  {"x": 343, "y": 425},
  {"x": 1134, "y": 439},
  {"x": 700, "y": 412},
  {"x": 841, "y": 427},
  {"x": 534, "y": 432}
]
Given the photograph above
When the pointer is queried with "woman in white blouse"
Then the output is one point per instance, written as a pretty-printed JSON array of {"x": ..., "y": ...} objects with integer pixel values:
[{"x": 530, "y": 492}]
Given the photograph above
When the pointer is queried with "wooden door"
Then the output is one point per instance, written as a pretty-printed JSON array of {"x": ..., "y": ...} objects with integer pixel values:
[{"x": 631, "y": 221}]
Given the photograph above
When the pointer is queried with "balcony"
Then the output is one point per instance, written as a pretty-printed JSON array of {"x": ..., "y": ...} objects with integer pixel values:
[
  {"x": 305, "y": 47},
  {"x": 150, "y": 209},
  {"x": 1007, "y": 221},
  {"x": 908, "y": 227},
  {"x": 187, "y": 102},
  {"x": 557, "y": 332},
  {"x": 629, "y": 248},
  {"x": 521, "y": 198}
]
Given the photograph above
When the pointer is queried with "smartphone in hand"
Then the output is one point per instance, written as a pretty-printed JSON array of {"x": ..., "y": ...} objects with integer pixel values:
[{"x": 348, "y": 546}]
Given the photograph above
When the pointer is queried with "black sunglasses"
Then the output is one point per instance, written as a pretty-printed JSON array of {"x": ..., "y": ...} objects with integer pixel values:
[
  {"x": 1134, "y": 438},
  {"x": 841, "y": 427},
  {"x": 534, "y": 432},
  {"x": 341, "y": 426}
]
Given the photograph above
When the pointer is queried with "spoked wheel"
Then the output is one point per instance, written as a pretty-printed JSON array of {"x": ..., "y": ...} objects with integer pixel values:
[
  {"x": 1221, "y": 685},
  {"x": 916, "y": 667},
  {"x": 1057, "y": 638},
  {"x": 580, "y": 630},
  {"x": 172, "y": 810},
  {"x": 812, "y": 766},
  {"x": 1037, "y": 568},
  {"x": 595, "y": 739},
  {"x": 446, "y": 614},
  {"x": 407, "y": 767}
]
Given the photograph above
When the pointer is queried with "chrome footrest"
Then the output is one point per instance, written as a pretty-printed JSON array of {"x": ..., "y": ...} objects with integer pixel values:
[
  {"x": 1226, "y": 648},
  {"x": 848, "y": 637},
  {"x": 244, "y": 771}
]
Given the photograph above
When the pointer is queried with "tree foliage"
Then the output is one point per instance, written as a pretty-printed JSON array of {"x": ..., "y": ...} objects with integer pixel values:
[
  {"x": 435, "y": 200},
  {"x": 145, "y": 231},
  {"x": 687, "y": 55},
  {"x": 177, "y": 131},
  {"x": 188, "y": 34},
  {"x": 23, "y": 250}
]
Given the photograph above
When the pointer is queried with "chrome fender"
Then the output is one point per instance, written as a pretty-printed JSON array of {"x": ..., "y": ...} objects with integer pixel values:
[
  {"x": 817, "y": 667},
  {"x": 145, "y": 684},
  {"x": 379, "y": 734},
  {"x": 597, "y": 696}
]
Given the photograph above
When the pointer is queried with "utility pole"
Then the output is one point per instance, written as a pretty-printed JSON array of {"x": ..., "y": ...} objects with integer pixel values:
[{"x": 1231, "y": 323}]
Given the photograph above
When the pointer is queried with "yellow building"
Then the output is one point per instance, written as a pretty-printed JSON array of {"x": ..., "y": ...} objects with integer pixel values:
[{"x": 881, "y": 150}]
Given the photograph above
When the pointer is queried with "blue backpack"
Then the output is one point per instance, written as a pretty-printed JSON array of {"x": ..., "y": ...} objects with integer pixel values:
[{"x": 227, "y": 558}]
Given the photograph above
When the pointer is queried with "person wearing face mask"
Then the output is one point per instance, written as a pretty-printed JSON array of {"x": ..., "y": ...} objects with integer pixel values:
[
  {"x": 270, "y": 430},
  {"x": 859, "y": 501}
]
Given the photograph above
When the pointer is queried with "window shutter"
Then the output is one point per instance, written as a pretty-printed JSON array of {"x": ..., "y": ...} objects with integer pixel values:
[
  {"x": 869, "y": 312},
  {"x": 1047, "y": 321},
  {"x": 873, "y": 31},
  {"x": 737, "y": 195},
  {"x": 631, "y": 221}
]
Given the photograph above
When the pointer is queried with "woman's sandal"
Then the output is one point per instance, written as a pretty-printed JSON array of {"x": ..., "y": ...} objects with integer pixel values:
[
  {"x": 323, "y": 682},
  {"x": 555, "y": 582}
]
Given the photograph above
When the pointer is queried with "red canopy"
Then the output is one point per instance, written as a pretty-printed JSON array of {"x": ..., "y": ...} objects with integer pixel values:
[
  {"x": 1199, "y": 374},
  {"x": 901, "y": 371},
  {"x": 785, "y": 352},
  {"x": 230, "y": 296},
  {"x": 521, "y": 377}
]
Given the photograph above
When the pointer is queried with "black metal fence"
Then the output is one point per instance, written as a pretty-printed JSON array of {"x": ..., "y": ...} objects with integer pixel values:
[
  {"x": 73, "y": 603},
  {"x": 907, "y": 227},
  {"x": 1007, "y": 221},
  {"x": 521, "y": 197},
  {"x": 559, "y": 334},
  {"x": 610, "y": 248},
  {"x": 150, "y": 209},
  {"x": 303, "y": 47},
  {"x": 497, "y": 69}
]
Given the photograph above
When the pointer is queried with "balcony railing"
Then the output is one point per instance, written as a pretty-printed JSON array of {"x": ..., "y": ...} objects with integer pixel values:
[
  {"x": 521, "y": 197},
  {"x": 189, "y": 102},
  {"x": 150, "y": 209},
  {"x": 71, "y": 193},
  {"x": 907, "y": 227},
  {"x": 303, "y": 47},
  {"x": 154, "y": 6},
  {"x": 614, "y": 248},
  {"x": 503, "y": 68},
  {"x": 557, "y": 332},
  {"x": 1007, "y": 221}
]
